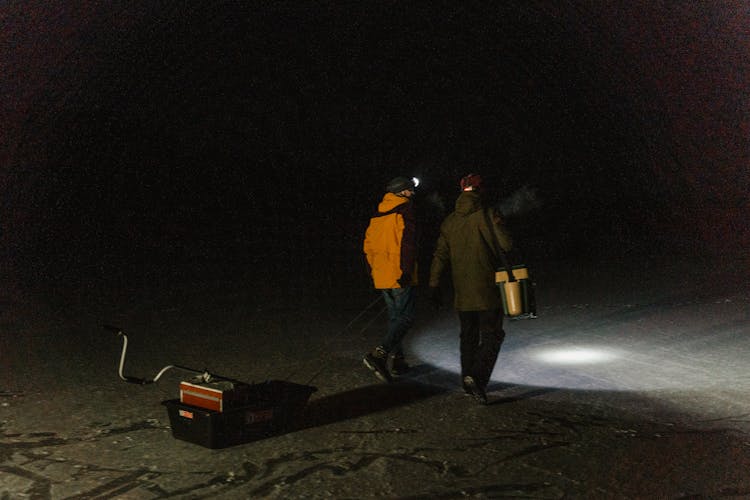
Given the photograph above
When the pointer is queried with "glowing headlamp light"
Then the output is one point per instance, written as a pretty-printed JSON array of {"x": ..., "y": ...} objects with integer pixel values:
[{"x": 415, "y": 181}]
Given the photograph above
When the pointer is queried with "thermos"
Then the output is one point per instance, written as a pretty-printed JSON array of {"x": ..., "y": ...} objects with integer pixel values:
[
  {"x": 514, "y": 302},
  {"x": 515, "y": 293}
]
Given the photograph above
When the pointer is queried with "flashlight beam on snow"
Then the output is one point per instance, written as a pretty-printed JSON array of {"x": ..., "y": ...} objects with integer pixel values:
[{"x": 575, "y": 356}]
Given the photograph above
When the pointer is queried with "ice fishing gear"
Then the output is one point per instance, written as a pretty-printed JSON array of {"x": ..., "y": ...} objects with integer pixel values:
[
  {"x": 369, "y": 306},
  {"x": 516, "y": 288},
  {"x": 217, "y": 411},
  {"x": 346, "y": 328},
  {"x": 518, "y": 295},
  {"x": 201, "y": 375}
]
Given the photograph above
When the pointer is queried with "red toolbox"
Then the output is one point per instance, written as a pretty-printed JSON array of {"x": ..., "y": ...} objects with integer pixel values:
[
  {"x": 218, "y": 396},
  {"x": 267, "y": 409}
]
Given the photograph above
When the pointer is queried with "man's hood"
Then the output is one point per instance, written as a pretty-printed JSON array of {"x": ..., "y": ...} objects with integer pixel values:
[
  {"x": 468, "y": 202},
  {"x": 391, "y": 201}
]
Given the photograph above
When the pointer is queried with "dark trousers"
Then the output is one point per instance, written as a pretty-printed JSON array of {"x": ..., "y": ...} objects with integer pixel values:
[
  {"x": 482, "y": 336},
  {"x": 400, "y": 303}
]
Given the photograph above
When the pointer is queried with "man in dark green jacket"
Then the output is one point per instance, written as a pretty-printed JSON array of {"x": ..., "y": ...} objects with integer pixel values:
[{"x": 468, "y": 243}]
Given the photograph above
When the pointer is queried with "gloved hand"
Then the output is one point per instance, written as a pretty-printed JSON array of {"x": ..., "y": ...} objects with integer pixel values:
[
  {"x": 404, "y": 280},
  {"x": 435, "y": 298}
]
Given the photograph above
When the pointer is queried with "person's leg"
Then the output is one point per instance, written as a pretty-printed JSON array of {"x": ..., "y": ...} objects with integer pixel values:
[
  {"x": 491, "y": 336},
  {"x": 400, "y": 302},
  {"x": 399, "y": 365},
  {"x": 469, "y": 339},
  {"x": 471, "y": 355}
]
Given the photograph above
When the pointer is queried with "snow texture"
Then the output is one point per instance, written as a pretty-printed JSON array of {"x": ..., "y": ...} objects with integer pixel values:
[{"x": 622, "y": 387}]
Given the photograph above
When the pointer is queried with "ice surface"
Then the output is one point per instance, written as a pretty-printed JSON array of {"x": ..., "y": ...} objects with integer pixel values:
[{"x": 616, "y": 379}]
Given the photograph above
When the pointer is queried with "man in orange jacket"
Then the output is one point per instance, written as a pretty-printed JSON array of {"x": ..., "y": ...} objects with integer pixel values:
[{"x": 390, "y": 247}]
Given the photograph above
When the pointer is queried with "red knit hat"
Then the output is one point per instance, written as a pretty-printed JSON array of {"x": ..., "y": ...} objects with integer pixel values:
[{"x": 471, "y": 182}]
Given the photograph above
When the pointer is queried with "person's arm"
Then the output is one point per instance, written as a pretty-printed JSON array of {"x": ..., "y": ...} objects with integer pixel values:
[
  {"x": 498, "y": 226},
  {"x": 409, "y": 242},
  {"x": 440, "y": 260},
  {"x": 367, "y": 247}
]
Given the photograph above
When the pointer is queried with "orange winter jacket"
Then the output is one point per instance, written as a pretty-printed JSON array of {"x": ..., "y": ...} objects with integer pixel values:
[{"x": 391, "y": 243}]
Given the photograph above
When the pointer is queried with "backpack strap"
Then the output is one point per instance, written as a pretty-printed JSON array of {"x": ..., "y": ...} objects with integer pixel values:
[{"x": 496, "y": 245}]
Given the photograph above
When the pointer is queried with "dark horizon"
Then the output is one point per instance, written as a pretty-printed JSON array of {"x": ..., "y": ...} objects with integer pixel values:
[{"x": 165, "y": 135}]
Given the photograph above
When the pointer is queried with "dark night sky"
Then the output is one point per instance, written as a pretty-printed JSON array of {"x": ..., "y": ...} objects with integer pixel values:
[{"x": 164, "y": 132}]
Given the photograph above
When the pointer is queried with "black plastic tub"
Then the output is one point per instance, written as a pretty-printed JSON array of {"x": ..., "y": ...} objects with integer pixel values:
[{"x": 275, "y": 408}]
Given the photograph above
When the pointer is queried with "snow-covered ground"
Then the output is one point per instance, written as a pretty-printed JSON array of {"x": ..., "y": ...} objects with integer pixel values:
[{"x": 632, "y": 382}]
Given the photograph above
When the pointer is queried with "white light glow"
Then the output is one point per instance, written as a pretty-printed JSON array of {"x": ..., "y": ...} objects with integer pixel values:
[
  {"x": 575, "y": 356},
  {"x": 415, "y": 181},
  {"x": 545, "y": 362},
  {"x": 666, "y": 343}
]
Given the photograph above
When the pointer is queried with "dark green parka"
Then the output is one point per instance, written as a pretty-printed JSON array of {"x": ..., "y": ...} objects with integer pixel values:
[{"x": 466, "y": 245}]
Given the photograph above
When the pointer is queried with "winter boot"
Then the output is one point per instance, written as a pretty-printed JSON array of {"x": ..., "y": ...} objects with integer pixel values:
[
  {"x": 399, "y": 366},
  {"x": 377, "y": 361},
  {"x": 471, "y": 386}
]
